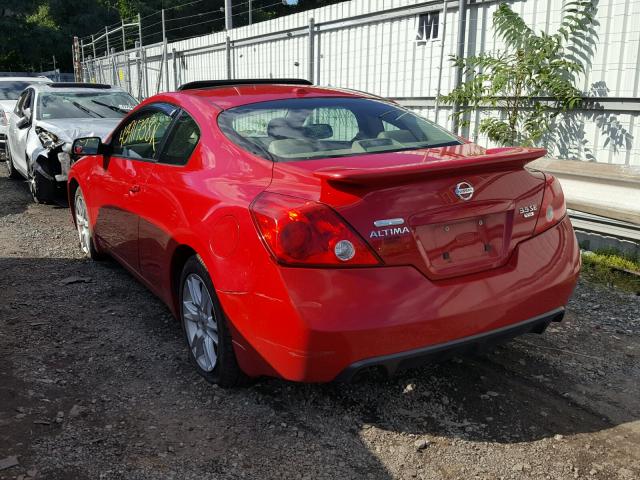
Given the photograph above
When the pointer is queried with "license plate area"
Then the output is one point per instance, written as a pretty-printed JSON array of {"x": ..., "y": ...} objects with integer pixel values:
[{"x": 465, "y": 245}]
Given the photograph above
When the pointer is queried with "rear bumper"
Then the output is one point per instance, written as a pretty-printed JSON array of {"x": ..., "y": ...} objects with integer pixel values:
[
  {"x": 474, "y": 344},
  {"x": 316, "y": 325}
]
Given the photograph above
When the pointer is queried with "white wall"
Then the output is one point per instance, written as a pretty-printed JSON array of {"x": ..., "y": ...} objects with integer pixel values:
[{"x": 381, "y": 56}]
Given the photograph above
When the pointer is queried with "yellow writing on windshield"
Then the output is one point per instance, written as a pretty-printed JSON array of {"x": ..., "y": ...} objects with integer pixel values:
[{"x": 143, "y": 130}]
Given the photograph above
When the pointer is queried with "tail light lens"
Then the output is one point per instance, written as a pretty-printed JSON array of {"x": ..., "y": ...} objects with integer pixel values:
[
  {"x": 303, "y": 232},
  {"x": 553, "y": 208}
]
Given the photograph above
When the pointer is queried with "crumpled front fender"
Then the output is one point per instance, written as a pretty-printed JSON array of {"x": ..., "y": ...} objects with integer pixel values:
[{"x": 46, "y": 161}]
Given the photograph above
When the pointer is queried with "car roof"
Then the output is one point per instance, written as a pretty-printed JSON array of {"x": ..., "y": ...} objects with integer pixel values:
[
  {"x": 226, "y": 97},
  {"x": 75, "y": 88},
  {"x": 26, "y": 79}
]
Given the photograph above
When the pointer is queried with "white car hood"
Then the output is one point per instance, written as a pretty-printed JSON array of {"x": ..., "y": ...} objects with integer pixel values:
[{"x": 68, "y": 129}]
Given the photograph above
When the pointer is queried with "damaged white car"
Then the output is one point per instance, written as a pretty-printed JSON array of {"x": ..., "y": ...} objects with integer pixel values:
[
  {"x": 46, "y": 121},
  {"x": 10, "y": 90}
]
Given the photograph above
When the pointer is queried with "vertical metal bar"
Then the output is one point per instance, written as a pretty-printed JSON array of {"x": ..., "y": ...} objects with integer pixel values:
[
  {"x": 228, "y": 52},
  {"x": 138, "y": 70},
  {"x": 250, "y": 12},
  {"x": 114, "y": 68},
  {"x": 82, "y": 65},
  {"x": 164, "y": 54},
  {"x": 106, "y": 32},
  {"x": 442, "y": 40},
  {"x": 312, "y": 49},
  {"x": 126, "y": 57},
  {"x": 228, "y": 15},
  {"x": 159, "y": 79},
  {"x": 55, "y": 72},
  {"x": 175, "y": 68},
  {"x": 462, "y": 21},
  {"x": 73, "y": 58},
  {"x": 146, "y": 72},
  {"x": 124, "y": 38},
  {"x": 142, "y": 62}
]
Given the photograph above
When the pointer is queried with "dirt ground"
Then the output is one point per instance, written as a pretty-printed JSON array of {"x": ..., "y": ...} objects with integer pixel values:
[{"x": 95, "y": 384}]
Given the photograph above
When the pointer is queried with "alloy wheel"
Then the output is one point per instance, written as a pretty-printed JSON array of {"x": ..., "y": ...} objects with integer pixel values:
[
  {"x": 200, "y": 322},
  {"x": 82, "y": 224}
]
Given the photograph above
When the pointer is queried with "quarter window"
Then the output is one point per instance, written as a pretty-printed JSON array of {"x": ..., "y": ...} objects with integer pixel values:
[
  {"x": 141, "y": 137},
  {"x": 182, "y": 141}
]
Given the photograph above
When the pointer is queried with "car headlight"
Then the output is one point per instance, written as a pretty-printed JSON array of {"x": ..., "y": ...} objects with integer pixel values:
[
  {"x": 4, "y": 121},
  {"x": 48, "y": 139}
]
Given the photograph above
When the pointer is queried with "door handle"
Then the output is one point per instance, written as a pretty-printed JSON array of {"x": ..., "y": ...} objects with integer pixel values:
[{"x": 134, "y": 189}]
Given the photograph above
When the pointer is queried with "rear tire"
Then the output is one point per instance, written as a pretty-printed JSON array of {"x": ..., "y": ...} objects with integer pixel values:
[
  {"x": 13, "y": 173},
  {"x": 42, "y": 189},
  {"x": 205, "y": 328},
  {"x": 83, "y": 225}
]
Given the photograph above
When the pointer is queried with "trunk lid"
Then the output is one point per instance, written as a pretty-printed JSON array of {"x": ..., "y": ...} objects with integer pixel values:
[{"x": 447, "y": 211}]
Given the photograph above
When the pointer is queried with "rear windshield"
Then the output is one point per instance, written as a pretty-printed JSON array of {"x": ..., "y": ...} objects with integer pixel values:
[
  {"x": 98, "y": 104},
  {"x": 11, "y": 89},
  {"x": 309, "y": 128}
]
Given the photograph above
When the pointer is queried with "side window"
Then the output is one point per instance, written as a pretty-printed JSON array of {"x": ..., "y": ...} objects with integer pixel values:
[
  {"x": 343, "y": 123},
  {"x": 181, "y": 142},
  {"x": 141, "y": 136},
  {"x": 23, "y": 102}
]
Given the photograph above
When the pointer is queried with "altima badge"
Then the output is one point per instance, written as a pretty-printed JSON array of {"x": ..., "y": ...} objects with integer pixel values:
[{"x": 464, "y": 191}]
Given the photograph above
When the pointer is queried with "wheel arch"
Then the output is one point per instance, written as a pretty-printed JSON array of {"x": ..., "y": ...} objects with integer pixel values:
[
  {"x": 181, "y": 254},
  {"x": 72, "y": 187}
]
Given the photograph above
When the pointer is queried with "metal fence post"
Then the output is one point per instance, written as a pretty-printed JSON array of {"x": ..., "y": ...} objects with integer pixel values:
[
  {"x": 312, "y": 49},
  {"x": 115, "y": 80},
  {"x": 94, "y": 58},
  {"x": 82, "y": 65},
  {"x": 139, "y": 70},
  {"x": 126, "y": 57},
  {"x": 164, "y": 54},
  {"x": 228, "y": 52},
  {"x": 462, "y": 23},
  {"x": 228, "y": 15},
  {"x": 106, "y": 32},
  {"x": 175, "y": 68},
  {"x": 444, "y": 37},
  {"x": 142, "y": 75}
]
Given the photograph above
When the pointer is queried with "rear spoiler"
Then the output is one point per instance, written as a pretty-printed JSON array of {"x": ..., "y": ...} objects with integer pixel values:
[{"x": 493, "y": 159}]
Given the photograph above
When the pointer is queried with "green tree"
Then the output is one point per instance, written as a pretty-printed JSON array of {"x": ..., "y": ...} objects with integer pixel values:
[{"x": 532, "y": 65}]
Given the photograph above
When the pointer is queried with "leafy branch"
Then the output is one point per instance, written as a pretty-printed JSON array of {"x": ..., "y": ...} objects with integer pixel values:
[{"x": 531, "y": 80}]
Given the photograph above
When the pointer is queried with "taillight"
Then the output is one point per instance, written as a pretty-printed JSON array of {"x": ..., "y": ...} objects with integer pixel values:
[
  {"x": 553, "y": 208},
  {"x": 303, "y": 232}
]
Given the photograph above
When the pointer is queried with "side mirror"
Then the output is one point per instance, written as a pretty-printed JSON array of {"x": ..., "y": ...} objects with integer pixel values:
[
  {"x": 25, "y": 121},
  {"x": 87, "y": 146}
]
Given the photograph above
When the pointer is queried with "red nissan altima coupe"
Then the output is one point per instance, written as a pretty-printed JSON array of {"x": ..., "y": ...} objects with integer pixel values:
[{"x": 311, "y": 233}]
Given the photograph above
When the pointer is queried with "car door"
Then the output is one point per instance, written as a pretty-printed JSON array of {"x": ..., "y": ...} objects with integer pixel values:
[
  {"x": 18, "y": 136},
  {"x": 122, "y": 193},
  {"x": 166, "y": 213}
]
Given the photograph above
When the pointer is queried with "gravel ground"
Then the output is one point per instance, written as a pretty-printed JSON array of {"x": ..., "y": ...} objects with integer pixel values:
[{"x": 95, "y": 384}]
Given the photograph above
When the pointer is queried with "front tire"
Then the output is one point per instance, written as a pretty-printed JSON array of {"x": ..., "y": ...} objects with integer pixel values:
[
  {"x": 205, "y": 328},
  {"x": 83, "y": 226},
  {"x": 13, "y": 173},
  {"x": 42, "y": 189}
]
